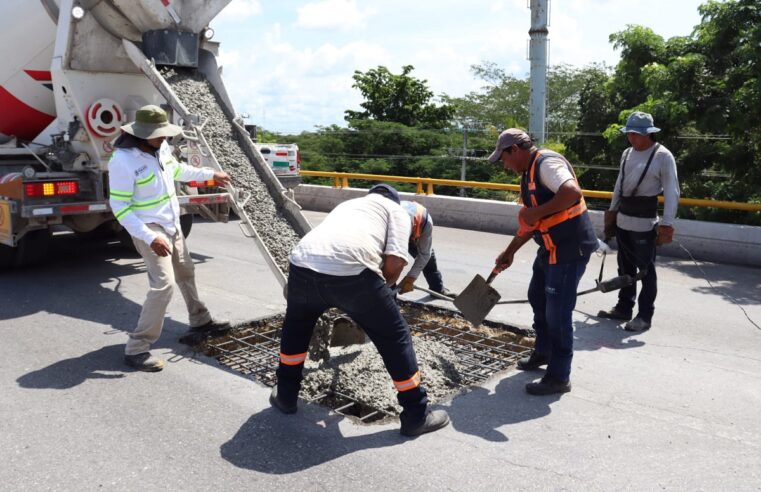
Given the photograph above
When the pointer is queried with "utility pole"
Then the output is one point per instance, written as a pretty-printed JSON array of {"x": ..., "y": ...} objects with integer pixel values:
[
  {"x": 538, "y": 57},
  {"x": 464, "y": 157}
]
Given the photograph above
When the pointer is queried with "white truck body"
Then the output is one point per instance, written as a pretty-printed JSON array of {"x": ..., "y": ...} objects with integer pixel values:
[{"x": 66, "y": 87}]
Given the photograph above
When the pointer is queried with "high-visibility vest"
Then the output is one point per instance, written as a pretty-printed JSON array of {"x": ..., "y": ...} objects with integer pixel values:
[
  {"x": 419, "y": 216},
  {"x": 566, "y": 235}
]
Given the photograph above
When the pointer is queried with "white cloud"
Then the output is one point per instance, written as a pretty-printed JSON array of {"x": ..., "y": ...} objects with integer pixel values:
[
  {"x": 239, "y": 10},
  {"x": 332, "y": 14}
]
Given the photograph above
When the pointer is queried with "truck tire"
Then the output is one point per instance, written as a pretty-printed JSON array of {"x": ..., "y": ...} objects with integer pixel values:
[
  {"x": 186, "y": 224},
  {"x": 33, "y": 248},
  {"x": 7, "y": 257}
]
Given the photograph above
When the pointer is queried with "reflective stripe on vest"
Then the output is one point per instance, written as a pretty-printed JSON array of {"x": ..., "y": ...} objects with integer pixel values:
[
  {"x": 544, "y": 225},
  {"x": 419, "y": 216},
  {"x": 408, "y": 384},
  {"x": 292, "y": 359}
]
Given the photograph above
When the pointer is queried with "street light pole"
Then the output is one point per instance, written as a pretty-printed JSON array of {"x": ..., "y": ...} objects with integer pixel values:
[{"x": 464, "y": 157}]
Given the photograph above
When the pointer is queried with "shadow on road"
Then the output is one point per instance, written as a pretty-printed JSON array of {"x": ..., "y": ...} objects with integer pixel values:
[
  {"x": 270, "y": 442},
  {"x": 68, "y": 373}
]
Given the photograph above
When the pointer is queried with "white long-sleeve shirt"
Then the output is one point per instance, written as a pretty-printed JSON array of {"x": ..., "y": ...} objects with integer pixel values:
[
  {"x": 661, "y": 177},
  {"x": 142, "y": 190},
  {"x": 354, "y": 236}
]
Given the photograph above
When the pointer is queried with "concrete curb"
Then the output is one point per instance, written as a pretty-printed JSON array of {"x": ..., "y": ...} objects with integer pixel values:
[{"x": 707, "y": 241}]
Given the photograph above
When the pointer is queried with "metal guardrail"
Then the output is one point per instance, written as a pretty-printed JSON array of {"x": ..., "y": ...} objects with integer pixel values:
[{"x": 425, "y": 187}]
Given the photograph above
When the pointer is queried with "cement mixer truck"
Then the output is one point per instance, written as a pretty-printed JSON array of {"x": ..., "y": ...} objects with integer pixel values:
[{"x": 67, "y": 84}]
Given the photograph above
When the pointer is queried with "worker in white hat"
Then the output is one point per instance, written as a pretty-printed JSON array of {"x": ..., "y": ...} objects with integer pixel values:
[
  {"x": 647, "y": 170},
  {"x": 141, "y": 176}
]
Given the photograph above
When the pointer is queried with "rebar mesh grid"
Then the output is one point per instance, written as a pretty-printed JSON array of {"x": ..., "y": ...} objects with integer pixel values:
[{"x": 254, "y": 352}]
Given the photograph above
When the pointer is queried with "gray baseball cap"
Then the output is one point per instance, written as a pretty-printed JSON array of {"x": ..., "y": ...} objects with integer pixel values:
[
  {"x": 508, "y": 138},
  {"x": 639, "y": 122}
]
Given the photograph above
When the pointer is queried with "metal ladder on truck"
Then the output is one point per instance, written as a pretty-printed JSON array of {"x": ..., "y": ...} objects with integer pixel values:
[{"x": 283, "y": 198}]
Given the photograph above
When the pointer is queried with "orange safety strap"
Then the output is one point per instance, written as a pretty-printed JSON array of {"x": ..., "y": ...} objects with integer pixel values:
[
  {"x": 546, "y": 223},
  {"x": 292, "y": 359},
  {"x": 408, "y": 384}
]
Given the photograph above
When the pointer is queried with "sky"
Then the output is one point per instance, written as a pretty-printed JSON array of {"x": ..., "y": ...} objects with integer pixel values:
[{"x": 288, "y": 64}]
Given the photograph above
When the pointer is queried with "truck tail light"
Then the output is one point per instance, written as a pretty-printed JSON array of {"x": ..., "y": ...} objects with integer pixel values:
[
  {"x": 196, "y": 184},
  {"x": 54, "y": 188},
  {"x": 298, "y": 157}
]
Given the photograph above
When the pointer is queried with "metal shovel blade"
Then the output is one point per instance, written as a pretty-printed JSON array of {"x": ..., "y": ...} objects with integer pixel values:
[{"x": 477, "y": 300}]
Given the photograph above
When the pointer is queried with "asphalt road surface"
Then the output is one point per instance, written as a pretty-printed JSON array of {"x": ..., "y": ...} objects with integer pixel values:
[{"x": 676, "y": 407}]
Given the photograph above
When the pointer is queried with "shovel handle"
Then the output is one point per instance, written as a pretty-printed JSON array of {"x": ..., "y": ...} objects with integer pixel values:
[{"x": 495, "y": 271}]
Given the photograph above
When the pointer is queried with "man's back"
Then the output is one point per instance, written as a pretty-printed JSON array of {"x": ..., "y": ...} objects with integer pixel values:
[{"x": 354, "y": 236}]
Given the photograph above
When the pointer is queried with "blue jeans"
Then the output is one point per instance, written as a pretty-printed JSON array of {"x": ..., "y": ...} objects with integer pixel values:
[
  {"x": 371, "y": 304},
  {"x": 430, "y": 270},
  {"x": 552, "y": 294},
  {"x": 636, "y": 252}
]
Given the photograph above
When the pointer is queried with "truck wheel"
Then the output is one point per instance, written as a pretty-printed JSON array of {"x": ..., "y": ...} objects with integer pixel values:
[
  {"x": 7, "y": 257},
  {"x": 33, "y": 248},
  {"x": 186, "y": 224}
]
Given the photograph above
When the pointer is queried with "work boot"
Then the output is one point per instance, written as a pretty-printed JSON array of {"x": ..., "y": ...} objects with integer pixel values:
[
  {"x": 637, "y": 324},
  {"x": 278, "y": 403},
  {"x": 615, "y": 313},
  {"x": 212, "y": 325},
  {"x": 548, "y": 386},
  {"x": 532, "y": 362},
  {"x": 446, "y": 292},
  {"x": 144, "y": 362},
  {"x": 434, "y": 420}
]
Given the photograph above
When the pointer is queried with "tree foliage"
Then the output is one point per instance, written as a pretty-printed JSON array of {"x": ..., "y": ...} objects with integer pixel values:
[
  {"x": 397, "y": 98},
  {"x": 704, "y": 91}
]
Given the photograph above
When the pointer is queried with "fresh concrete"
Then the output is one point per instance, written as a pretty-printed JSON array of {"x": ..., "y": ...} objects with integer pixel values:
[
  {"x": 709, "y": 241},
  {"x": 674, "y": 408}
]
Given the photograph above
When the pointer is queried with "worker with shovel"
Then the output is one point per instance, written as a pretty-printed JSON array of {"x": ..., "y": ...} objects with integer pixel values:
[
  {"x": 421, "y": 248},
  {"x": 350, "y": 261},
  {"x": 555, "y": 215}
]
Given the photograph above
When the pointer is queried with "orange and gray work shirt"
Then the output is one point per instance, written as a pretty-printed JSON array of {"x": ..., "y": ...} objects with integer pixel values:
[
  {"x": 422, "y": 236},
  {"x": 142, "y": 190}
]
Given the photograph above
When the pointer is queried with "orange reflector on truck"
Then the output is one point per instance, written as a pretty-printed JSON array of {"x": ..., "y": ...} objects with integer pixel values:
[
  {"x": 55, "y": 188},
  {"x": 196, "y": 184}
]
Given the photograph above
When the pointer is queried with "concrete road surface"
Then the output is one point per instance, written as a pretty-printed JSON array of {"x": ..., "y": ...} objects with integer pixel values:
[{"x": 675, "y": 408}]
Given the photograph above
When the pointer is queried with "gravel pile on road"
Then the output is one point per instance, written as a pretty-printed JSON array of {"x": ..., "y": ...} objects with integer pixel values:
[
  {"x": 358, "y": 370},
  {"x": 196, "y": 93}
]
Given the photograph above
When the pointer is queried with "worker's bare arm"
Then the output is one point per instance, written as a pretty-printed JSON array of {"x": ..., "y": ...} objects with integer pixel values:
[{"x": 392, "y": 268}]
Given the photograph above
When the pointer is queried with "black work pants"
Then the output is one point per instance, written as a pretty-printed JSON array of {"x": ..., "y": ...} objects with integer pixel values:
[
  {"x": 371, "y": 304},
  {"x": 636, "y": 252}
]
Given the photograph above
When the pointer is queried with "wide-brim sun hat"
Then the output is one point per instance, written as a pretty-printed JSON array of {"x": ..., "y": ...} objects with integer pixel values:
[
  {"x": 639, "y": 122},
  {"x": 151, "y": 122}
]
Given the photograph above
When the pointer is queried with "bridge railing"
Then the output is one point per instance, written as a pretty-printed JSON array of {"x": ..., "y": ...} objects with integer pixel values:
[{"x": 424, "y": 186}]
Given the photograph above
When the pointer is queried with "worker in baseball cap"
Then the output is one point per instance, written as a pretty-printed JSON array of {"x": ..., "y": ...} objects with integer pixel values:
[
  {"x": 349, "y": 261},
  {"x": 555, "y": 215}
]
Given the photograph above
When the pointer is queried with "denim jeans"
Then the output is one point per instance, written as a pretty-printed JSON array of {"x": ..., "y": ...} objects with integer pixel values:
[
  {"x": 430, "y": 271},
  {"x": 636, "y": 252},
  {"x": 371, "y": 304},
  {"x": 552, "y": 294}
]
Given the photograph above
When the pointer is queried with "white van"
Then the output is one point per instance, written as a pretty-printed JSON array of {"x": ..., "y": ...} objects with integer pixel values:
[{"x": 284, "y": 160}]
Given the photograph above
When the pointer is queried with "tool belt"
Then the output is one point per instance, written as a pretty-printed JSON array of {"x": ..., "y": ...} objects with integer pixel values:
[{"x": 645, "y": 207}]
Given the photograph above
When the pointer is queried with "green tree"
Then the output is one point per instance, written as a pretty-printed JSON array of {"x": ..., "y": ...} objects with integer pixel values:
[{"x": 398, "y": 98}]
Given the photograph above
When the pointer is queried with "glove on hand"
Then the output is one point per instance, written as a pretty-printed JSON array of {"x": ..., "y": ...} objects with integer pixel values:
[
  {"x": 610, "y": 224},
  {"x": 665, "y": 235},
  {"x": 406, "y": 285}
]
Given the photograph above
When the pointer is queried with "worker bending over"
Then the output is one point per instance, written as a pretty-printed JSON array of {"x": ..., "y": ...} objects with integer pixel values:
[
  {"x": 555, "y": 215},
  {"x": 421, "y": 248},
  {"x": 351, "y": 268}
]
